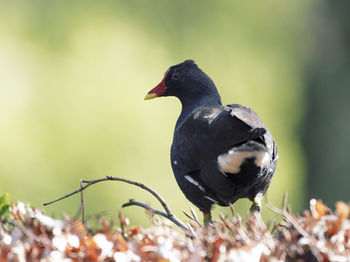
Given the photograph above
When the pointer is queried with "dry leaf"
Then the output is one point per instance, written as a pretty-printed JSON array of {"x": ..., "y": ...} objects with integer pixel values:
[
  {"x": 342, "y": 209},
  {"x": 318, "y": 209}
]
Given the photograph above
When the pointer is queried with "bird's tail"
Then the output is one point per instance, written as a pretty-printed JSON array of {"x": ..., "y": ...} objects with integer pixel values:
[
  {"x": 232, "y": 161},
  {"x": 231, "y": 173}
]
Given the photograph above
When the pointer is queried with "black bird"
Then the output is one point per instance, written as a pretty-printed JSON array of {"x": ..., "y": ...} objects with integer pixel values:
[{"x": 219, "y": 153}]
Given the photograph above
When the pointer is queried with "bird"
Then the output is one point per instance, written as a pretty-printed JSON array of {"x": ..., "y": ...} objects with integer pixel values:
[{"x": 220, "y": 153}]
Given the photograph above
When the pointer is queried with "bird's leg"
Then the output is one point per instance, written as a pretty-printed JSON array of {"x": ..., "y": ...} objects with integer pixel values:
[
  {"x": 206, "y": 218},
  {"x": 256, "y": 206}
]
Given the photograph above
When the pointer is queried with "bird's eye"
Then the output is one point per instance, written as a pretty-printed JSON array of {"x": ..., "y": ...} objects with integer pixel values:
[{"x": 175, "y": 76}]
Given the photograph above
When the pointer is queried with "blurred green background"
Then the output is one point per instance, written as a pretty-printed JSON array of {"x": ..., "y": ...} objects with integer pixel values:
[{"x": 73, "y": 75}]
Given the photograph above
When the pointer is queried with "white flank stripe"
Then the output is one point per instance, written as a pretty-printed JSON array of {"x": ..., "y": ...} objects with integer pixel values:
[
  {"x": 194, "y": 182},
  {"x": 212, "y": 200}
]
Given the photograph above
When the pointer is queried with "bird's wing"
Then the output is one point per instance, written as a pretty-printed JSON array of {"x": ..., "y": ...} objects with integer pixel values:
[
  {"x": 211, "y": 131},
  {"x": 251, "y": 118}
]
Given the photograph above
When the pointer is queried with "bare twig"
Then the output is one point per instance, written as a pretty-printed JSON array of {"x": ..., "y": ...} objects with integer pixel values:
[
  {"x": 290, "y": 219},
  {"x": 193, "y": 218},
  {"x": 133, "y": 202},
  {"x": 167, "y": 214},
  {"x": 108, "y": 178},
  {"x": 285, "y": 201},
  {"x": 190, "y": 228},
  {"x": 81, "y": 210},
  {"x": 232, "y": 210},
  {"x": 172, "y": 218},
  {"x": 122, "y": 223},
  {"x": 194, "y": 214},
  {"x": 82, "y": 203}
]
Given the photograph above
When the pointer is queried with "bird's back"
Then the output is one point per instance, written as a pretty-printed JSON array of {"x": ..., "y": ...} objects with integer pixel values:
[{"x": 210, "y": 133}]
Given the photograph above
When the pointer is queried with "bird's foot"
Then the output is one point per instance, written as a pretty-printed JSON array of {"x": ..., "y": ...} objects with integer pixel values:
[
  {"x": 256, "y": 206},
  {"x": 206, "y": 218}
]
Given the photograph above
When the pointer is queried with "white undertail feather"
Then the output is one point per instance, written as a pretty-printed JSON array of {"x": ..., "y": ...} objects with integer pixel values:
[{"x": 231, "y": 162}]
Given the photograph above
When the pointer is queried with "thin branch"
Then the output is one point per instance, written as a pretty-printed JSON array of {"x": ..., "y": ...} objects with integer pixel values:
[
  {"x": 81, "y": 210},
  {"x": 122, "y": 222},
  {"x": 194, "y": 214},
  {"x": 167, "y": 214},
  {"x": 133, "y": 202},
  {"x": 82, "y": 203},
  {"x": 193, "y": 218},
  {"x": 108, "y": 178},
  {"x": 190, "y": 228},
  {"x": 233, "y": 213},
  {"x": 285, "y": 201},
  {"x": 172, "y": 218},
  {"x": 290, "y": 219}
]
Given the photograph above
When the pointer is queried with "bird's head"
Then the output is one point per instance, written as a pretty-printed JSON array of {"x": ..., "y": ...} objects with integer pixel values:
[{"x": 185, "y": 80}]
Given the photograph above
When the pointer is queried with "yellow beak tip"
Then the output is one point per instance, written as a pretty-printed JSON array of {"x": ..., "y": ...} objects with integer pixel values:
[{"x": 150, "y": 96}]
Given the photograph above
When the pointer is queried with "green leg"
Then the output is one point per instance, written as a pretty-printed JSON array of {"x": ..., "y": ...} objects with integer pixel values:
[
  {"x": 206, "y": 218},
  {"x": 256, "y": 206}
]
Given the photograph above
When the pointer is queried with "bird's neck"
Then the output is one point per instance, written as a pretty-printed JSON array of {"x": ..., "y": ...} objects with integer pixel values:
[{"x": 190, "y": 105}]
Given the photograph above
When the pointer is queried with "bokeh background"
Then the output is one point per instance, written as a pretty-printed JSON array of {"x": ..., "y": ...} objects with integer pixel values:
[{"x": 73, "y": 75}]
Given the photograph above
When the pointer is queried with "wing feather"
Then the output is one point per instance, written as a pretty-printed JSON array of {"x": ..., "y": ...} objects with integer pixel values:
[{"x": 211, "y": 131}]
